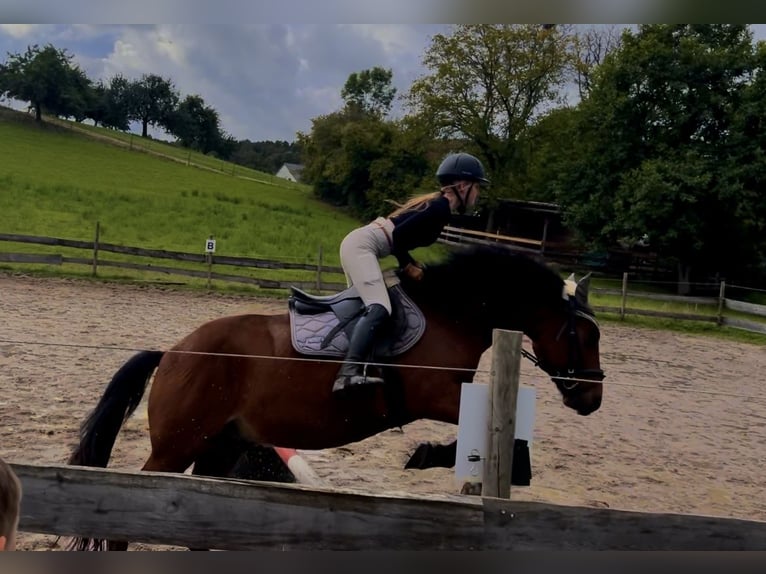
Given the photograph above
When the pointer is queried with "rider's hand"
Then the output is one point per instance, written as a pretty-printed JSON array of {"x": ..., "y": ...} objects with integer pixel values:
[{"x": 413, "y": 271}]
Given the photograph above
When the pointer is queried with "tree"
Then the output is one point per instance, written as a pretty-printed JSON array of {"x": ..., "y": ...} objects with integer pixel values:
[
  {"x": 152, "y": 101},
  {"x": 358, "y": 160},
  {"x": 547, "y": 143},
  {"x": 370, "y": 91},
  {"x": 48, "y": 80},
  {"x": 110, "y": 104},
  {"x": 486, "y": 84},
  {"x": 354, "y": 157},
  {"x": 747, "y": 161},
  {"x": 590, "y": 48},
  {"x": 267, "y": 156},
  {"x": 656, "y": 147},
  {"x": 196, "y": 125}
]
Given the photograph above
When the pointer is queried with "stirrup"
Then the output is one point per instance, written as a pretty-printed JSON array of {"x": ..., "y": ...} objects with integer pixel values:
[{"x": 344, "y": 382}]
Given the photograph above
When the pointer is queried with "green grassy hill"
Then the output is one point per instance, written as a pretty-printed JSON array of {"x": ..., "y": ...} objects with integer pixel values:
[
  {"x": 58, "y": 179},
  {"x": 59, "y": 182}
]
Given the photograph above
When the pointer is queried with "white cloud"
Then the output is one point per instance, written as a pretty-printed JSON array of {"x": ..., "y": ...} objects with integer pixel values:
[
  {"x": 395, "y": 40},
  {"x": 19, "y": 30},
  {"x": 266, "y": 81}
]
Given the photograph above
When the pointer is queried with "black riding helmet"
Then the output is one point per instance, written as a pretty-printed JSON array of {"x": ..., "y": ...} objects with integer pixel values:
[{"x": 457, "y": 166}]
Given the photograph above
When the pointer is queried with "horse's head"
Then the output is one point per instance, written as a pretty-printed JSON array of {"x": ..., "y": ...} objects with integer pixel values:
[
  {"x": 470, "y": 288},
  {"x": 566, "y": 346}
]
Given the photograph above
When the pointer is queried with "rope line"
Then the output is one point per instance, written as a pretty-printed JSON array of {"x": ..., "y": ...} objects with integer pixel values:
[
  {"x": 230, "y": 355},
  {"x": 761, "y": 398},
  {"x": 340, "y": 361}
]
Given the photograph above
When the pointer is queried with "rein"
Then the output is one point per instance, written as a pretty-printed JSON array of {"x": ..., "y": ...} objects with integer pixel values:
[{"x": 569, "y": 381}]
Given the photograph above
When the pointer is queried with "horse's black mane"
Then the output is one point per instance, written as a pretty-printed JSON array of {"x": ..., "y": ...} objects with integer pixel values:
[{"x": 490, "y": 274}]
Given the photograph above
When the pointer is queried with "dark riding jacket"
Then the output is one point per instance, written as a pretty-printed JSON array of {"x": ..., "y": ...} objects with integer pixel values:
[{"x": 419, "y": 227}]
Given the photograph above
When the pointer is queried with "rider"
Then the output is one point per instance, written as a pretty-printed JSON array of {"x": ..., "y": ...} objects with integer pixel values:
[{"x": 417, "y": 223}]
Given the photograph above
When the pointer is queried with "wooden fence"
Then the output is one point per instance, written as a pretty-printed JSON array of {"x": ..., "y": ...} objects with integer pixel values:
[
  {"x": 206, "y": 262},
  {"x": 454, "y": 236},
  {"x": 230, "y": 514},
  {"x": 457, "y": 236},
  {"x": 717, "y": 306}
]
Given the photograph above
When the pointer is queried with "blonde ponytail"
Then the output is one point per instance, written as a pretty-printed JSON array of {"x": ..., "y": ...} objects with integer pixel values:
[{"x": 414, "y": 203}]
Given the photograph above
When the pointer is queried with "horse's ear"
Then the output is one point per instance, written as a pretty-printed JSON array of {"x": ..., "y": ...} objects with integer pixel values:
[
  {"x": 571, "y": 277},
  {"x": 581, "y": 293},
  {"x": 570, "y": 288}
]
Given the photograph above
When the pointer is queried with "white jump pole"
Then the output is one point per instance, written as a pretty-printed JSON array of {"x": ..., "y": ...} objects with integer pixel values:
[{"x": 303, "y": 473}]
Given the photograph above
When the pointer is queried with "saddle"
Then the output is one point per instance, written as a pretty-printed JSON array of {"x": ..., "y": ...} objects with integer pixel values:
[{"x": 322, "y": 325}]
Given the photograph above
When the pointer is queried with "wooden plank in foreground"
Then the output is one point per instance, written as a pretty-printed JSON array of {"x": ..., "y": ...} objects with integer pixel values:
[{"x": 157, "y": 508}]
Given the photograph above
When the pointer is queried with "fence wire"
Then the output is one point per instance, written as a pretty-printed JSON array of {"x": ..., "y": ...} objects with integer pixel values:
[{"x": 527, "y": 376}]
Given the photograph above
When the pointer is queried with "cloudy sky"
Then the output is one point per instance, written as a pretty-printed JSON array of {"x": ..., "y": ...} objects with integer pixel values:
[{"x": 266, "y": 81}]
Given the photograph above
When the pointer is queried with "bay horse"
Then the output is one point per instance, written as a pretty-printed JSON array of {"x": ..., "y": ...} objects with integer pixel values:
[{"x": 239, "y": 378}]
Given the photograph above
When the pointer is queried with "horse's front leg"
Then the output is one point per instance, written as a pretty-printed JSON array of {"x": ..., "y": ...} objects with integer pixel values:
[{"x": 432, "y": 455}]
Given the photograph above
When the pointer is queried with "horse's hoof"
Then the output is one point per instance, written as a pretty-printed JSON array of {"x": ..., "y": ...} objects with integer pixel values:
[{"x": 419, "y": 458}]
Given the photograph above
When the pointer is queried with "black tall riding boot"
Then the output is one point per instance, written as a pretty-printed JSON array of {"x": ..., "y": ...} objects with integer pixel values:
[{"x": 353, "y": 372}]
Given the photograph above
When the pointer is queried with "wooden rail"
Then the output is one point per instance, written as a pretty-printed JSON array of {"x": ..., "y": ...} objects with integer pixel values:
[
  {"x": 181, "y": 510},
  {"x": 319, "y": 285},
  {"x": 716, "y": 305},
  {"x": 201, "y": 259}
]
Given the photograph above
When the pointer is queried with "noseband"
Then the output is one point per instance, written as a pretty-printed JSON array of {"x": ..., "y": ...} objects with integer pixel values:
[{"x": 569, "y": 381}]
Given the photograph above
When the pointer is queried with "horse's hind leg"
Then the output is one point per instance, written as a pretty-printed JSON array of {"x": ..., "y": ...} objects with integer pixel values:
[
  {"x": 234, "y": 456},
  {"x": 220, "y": 457},
  {"x": 260, "y": 462},
  {"x": 154, "y": 463},
  {"x": 231, "y": 455},
  {"x": 222, "y": 453}
]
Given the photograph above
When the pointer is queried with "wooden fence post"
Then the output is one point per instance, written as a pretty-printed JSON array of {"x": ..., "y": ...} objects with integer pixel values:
[
  {"x": 95, "y": 248},
  {"x": 624, "y": 294},
  {"x": 721, "y": 302},
  {"x": 503, "y": 395},
  {"x": 319, "y": 270},
  {"x": 209, "y": 260}
]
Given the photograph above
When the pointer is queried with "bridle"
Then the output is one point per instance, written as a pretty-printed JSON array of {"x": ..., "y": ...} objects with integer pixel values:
[{"x": 569, "y": 380}]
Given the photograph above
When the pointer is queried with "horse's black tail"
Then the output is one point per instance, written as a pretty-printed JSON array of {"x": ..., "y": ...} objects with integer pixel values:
[{"x": 99, "y": 430}]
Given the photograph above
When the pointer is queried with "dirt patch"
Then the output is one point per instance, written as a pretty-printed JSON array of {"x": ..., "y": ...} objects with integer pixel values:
[{"x": 682, "y": 427}]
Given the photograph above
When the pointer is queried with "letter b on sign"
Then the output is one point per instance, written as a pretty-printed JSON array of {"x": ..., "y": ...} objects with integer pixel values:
[{"x": 210, "y": 246}]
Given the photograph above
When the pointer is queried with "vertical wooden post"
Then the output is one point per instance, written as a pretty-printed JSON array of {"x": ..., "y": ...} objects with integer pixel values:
[
  {"x": 95, "y": 248},
  {"x": 721, "y": 301},
  {"x": 209, "y": 257},
  {"x": 319, "y": 270},
  {"x": 503, "y": 396},
  {"x": 545, "y": 236},
  {"x": 624, "y": 294},
  {"x": 188, "y": 158}
]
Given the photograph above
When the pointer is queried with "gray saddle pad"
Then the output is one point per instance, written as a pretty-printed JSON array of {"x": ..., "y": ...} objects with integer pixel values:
[{"x": 310, "y": 331}]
